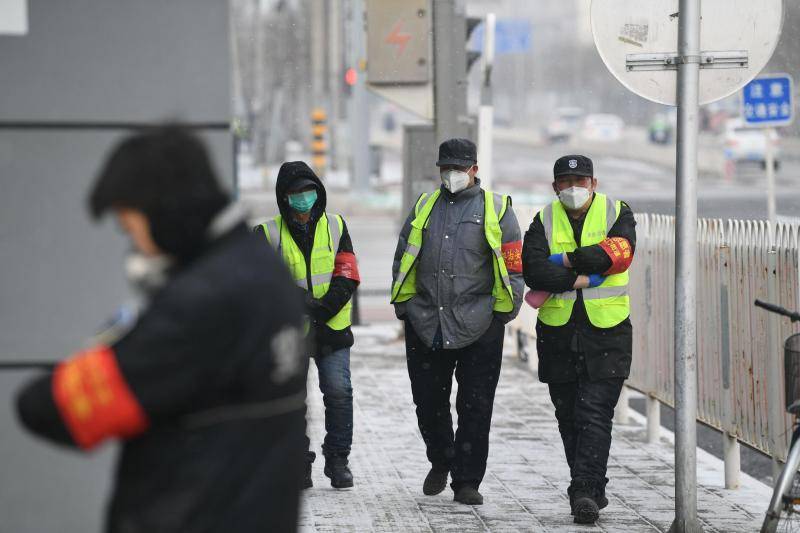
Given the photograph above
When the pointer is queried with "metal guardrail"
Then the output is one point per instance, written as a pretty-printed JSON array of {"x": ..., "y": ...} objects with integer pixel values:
[
  {"x": 739, "y": 346},
  {"x": 739, "y": 356}
]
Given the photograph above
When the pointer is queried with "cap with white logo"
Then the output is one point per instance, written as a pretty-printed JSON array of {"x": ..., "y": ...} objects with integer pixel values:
[{"x": 573, "y": 165}]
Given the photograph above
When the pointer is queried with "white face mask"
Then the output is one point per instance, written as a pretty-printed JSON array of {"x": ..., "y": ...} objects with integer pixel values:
[
  {"x": 574, "y": 197},
  {"x": 455, "y": 180},
  {"x": 147, "y": 274}
]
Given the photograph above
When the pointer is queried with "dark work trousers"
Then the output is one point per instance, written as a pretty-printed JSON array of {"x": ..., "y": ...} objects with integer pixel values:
[
  {"x": 477, "y": 369},
  {"x": 584, "y": 410}
]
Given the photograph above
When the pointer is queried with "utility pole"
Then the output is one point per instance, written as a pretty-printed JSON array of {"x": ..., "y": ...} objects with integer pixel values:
[
  {"x": 449, "y": 70},
  {"x": 318, "y": 43},
  {"x": 335, "y": 73},
  {"x": 358, "y": 114},
  {"x": 486, "y": 112},
  {"x": 259, "y": 107}
]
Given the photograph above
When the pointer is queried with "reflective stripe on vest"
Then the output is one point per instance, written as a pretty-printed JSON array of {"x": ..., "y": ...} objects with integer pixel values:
[
  {"x": 323, "y": 258},
  {"x": 606, "y": 305},
  {"x": 495, "y": 205}
]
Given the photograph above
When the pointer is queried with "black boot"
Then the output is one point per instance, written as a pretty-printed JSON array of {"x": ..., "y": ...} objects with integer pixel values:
[
  {"x": 435, "y": 482},
  {"x": 601, "y": 501},
  {"x": 337, "y": 469},
  {"x": 468, "y": 495},
  {"x": 586, "y": 501},
  {"x": 307, "y": 481},
  {"x": 585, "y": 509}
]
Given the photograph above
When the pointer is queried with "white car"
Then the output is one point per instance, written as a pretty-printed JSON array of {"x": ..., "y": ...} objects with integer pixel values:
[
  {"x": 563, "y": 125},
  {"x": 602, "y": 127},
  {"x": 743, "y": 143}
]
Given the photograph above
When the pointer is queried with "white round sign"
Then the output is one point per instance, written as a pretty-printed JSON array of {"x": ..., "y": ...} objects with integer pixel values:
[{"x": 636, "y": 38}]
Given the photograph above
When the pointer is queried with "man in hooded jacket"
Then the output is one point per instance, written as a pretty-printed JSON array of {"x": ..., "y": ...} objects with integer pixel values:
[
  {"x": 206, "y": 391},
  {"x": 316, "y": 247}
]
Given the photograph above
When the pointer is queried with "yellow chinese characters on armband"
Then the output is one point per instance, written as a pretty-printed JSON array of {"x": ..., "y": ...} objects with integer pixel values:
[{"x": 94, "y": 399}]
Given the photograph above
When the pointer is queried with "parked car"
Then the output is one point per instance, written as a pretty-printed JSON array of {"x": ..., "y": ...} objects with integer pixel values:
[
  {"x": 563, "y": 125},
  {"x": 602, "y": 127},
  {"x": 743, "y": 143},
  {"x": 660, "y": 130}
]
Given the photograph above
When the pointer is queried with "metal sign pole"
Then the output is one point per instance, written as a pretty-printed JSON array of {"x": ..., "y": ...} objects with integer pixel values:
[{"x": 685, "y": 271}]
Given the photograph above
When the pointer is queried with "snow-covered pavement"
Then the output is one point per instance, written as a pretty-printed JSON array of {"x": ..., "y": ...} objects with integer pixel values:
[{"x": 527, "y": 476}]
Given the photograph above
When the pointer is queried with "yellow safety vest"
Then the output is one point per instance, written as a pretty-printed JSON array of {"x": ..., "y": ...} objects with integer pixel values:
[
  {"x": 606, "y": 305},
  {"x": 323, "y": 258},
  {"x": 405, "y": 287}
]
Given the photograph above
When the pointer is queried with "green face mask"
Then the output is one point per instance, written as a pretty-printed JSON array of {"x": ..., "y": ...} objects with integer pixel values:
[{"x": 302, "y": 202}]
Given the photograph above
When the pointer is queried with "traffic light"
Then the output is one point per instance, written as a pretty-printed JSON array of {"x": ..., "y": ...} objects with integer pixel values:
[
  {"x": 351, "y": 76},
  {"x": 319, "y": 148},
  {"x": 472, "y": 54},
  {"x": 349, "y": 79}
]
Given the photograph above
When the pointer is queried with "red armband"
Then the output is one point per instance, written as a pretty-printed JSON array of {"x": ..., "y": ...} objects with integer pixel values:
[
  {"x": 94, "y": 399},
  {"x": 512, "y": 256},
  {"x": 345, "y": 266},
  {"x": 620, "y": 252}
]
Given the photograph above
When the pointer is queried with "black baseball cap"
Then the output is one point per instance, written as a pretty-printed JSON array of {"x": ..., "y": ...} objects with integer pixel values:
[
  {"x": 573, "y": 165},
  {"x": 458, "y": 153}
]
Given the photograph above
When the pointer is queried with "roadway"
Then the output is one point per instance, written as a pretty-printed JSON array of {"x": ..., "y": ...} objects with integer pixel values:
[{"x": 524, "y": 169}]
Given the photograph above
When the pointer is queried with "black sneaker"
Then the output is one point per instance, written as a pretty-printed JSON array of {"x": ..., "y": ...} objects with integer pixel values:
[
  {"x": 337, "y": 469},
  {"x": 468, "y": 496},
  {"x": 585, "y": 509},
  {"x": 435, "y": 482}
]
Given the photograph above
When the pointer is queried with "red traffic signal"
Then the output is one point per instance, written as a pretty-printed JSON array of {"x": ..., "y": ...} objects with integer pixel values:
[{"x": 351, "y": 76}]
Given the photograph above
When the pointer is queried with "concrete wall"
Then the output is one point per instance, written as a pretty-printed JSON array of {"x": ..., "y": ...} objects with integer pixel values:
[{"x": 86, "y": 72}]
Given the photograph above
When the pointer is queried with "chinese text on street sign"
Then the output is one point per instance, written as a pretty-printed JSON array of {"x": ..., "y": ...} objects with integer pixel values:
[{"x": 767, "y": 101}]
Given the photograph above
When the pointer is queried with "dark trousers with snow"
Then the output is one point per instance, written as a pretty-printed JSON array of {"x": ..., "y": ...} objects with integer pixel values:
[
  {"x": 584, "y": 410},
  {"x": 477, "y": 370}
]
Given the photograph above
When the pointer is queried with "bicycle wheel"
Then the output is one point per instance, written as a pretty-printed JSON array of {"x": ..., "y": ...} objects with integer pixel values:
[{"x": 783, "y": 514}]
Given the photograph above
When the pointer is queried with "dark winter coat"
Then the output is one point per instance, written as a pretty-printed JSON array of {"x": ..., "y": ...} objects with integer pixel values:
[
  {"x": 455, "y": 270},
  {"x": 607, "y": 352},
  {"x": 214, "y": 365}
]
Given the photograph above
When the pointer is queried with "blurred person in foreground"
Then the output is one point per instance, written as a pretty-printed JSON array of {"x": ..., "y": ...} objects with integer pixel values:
[
  {"x": 206, "y": 390},
  {"x": 579, "y": 249},
  {"x": 316, "y": 247},
  {"x": 457, "y": 281}
]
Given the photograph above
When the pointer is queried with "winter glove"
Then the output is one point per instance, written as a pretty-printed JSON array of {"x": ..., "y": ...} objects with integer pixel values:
[
  {"x": 317, "y": 311},
  {"x": 595, "y": 280},
  {"x": 557, "y": 259}
]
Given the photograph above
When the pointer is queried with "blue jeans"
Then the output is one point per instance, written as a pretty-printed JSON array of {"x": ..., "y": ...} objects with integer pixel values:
[{"x": 337, "y": 395}]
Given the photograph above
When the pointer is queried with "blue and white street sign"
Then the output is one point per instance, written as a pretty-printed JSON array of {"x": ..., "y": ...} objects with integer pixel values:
[
  {"x": 767, "y": 101},
  {"x": 512, "y": 36}
]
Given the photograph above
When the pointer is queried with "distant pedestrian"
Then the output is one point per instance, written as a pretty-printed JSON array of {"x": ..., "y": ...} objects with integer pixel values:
[
  {"x": 579, "y": 249},
  {"x": 457, "y": 280},
  {"x": 316, "y": 247},
  {"x": 207, "y": 390}
]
